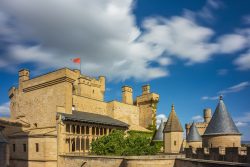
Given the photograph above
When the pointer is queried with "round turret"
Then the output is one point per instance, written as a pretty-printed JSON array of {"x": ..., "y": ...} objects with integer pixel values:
[
  {"x": 207, "y": 114},
  {"x": 221, "y": 130}
]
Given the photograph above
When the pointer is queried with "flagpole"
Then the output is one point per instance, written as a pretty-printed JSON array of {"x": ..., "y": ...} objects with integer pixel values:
[{"x": 80, "y": 67}]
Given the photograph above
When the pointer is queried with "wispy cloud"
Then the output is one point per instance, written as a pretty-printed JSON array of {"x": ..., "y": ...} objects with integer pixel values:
[
  {"x": 89, "y": 30},
  {"x": 198, "y": 118},
  {"x": 243, "y": 61},
  {"x": 241, "y": 124},
  {"x": 222, "y": 71},
  {"x": 209, "y": 98},
  {"x": 244, "y": 118},
  {"x": 4, "y": 110},
  {"x": 233, "y": 89}
]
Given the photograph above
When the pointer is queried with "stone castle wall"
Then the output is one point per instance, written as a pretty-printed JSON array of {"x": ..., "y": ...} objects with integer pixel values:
[
  {"x": 221, "y": 141},
  {"x": 45, "y": 155},
  {"x": 186, "y": 162},
  {"x": 118, "y": 161},
  {"x": 231, "y": 154},
  {"x": 141, "y": 161}
]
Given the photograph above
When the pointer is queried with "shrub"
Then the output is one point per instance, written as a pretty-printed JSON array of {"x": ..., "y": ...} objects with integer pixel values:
[{"x": 117, "y": 144}]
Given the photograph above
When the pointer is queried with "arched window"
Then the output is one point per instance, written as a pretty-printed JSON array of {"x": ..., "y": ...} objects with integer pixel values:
[
  {"x": 73, "y": 129},
  {"x": 87, "y": 130},
  {"x": 87, "y": 144},
  {"x": 78, "y": 129},
  {"x": 101, "y": 131},
  {"x": 82, "y": 129},
  {"x": 97, "y": 130},
  {"x": 82, "y": 145},
  {"x": 93, "y": 130}
]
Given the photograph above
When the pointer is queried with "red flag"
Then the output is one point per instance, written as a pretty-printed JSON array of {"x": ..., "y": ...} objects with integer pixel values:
[{"x": 77, "y": 60}]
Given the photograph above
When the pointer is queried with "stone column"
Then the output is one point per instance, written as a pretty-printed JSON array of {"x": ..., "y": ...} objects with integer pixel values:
[
  {"x": 70, "y": 145},
  {"x": 80, "y": 144}
]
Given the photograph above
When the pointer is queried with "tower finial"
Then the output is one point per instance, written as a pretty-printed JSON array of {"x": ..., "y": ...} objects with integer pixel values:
[
  {"x": 221, "y": 97},
  {"x": 172, "y": 106}
]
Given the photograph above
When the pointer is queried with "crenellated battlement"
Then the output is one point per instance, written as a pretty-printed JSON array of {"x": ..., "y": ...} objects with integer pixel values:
[{"x": 231, "y": 154}]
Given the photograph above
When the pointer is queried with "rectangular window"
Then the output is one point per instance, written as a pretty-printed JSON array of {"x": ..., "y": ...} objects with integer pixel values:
[
  {"x": 175, "y": 143},
  {"x": 37, "y": 147},
  {"x": 24, "y": 148},
  {"x": 14, "y": 148}
]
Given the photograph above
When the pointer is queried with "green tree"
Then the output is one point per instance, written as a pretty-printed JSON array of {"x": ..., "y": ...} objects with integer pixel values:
[{"x": 117, "y": 144}]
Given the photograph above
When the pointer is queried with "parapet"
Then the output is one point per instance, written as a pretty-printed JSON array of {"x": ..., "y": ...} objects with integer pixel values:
[{"x": 231, "y": 154}]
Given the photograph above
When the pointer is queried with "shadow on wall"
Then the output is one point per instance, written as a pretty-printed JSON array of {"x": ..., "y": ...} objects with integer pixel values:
[{"x": 14, "y": 151}]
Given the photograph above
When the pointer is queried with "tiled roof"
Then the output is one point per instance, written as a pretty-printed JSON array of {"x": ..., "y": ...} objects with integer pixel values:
[
  {"x": 92, "y": 118},
  {"x": 221, "y": 122},
  {"x": 193, "y": 134},
  {"x": 173, "y": 124}
]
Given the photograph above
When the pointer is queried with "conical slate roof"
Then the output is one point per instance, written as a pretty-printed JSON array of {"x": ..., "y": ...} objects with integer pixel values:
[
  {"x": 2, "y": 138},
  {"x": 193, "y": 134},
  {"x": 221, "y": 122},
  {"x": 173, "y": 124},
  {"x": 159, "y": 133}
]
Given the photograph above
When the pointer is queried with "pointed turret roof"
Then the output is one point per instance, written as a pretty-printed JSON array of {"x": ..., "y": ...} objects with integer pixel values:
[
  {"x": 193, "y": 134},
  {"x": 173, "y": 124},
  {"x": 221, "y": 122},
  {"x": 159, "y": 133}
]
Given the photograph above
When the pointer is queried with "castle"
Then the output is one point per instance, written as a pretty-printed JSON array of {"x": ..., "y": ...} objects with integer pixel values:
[
  {"x": 55, "y": 117},
  {"x": 63, "y": 111}
]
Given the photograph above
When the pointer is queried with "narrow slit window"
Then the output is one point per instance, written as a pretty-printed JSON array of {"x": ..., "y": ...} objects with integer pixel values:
[
  {"x": 14, "y": 147},
  {"x": 24, "y": 148},
  {"x": 37, "y": 147}
]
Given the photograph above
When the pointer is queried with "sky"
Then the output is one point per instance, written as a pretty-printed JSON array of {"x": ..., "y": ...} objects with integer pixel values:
[{"x": 189, "y": 52}]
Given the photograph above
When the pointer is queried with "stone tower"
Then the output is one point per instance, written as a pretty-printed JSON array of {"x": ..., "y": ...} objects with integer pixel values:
[
  {"x": 207, "y": 115},
  {"x": 221, "y": 130},
  {"x": 3, "y": 149},
  {"x": 172, "y": 134},
  {"x": 147, "y": 104},
  {"x": 194, "y": 139},
  {"x": 127, "y": 95}
]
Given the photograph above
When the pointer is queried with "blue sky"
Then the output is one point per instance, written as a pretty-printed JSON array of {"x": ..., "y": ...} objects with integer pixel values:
[{"x": 189, "y": 52}]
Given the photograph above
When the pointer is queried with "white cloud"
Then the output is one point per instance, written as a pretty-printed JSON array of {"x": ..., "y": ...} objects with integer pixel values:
[
  {"x": 209, "y": 98},
  {"x": 159, "y": 118},
  {"x": 241, "y": 124},
  {"x": 102, "y": 33},
  {"x": 244, "y": 118},
  {"x": 105, "y": 35},
  {"x": 233, "y": 89},
  {"x": 243, "y": 121},
  {"x": 207, "y": 11},
  {"x": 243, "y": 61},
  {"x": 231, "y": 43},
  {"x": 180, "y": 37},
  {"x": 198, "y": 118},
  {"x": 4, "y": 109}
]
